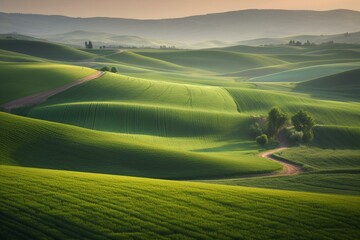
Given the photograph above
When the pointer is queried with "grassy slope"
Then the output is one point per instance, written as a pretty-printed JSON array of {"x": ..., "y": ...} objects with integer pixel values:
[
  {"x": 252, "y": 101},
  {"x": 345, "y": 84},
  {"x": 307, "y": 73},
  {"x": 76, "y": 205},
  {"x": 213, "y": 60},
  {"x": 8, "y": 56},
  {"x": 35, "y": 143},
  {"x": 335, "y": 183},
  {"x": 45, "y": 50},
  {"x": 122, "y": 104},
  {"x": 22, "y": 79},
  {"x": 334, "y": 148}
]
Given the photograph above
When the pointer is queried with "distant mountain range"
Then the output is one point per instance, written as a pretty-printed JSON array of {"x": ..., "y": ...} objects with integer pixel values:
[
  {"x": 226, "y": 27},
  {"x": 349, "y": 38}
]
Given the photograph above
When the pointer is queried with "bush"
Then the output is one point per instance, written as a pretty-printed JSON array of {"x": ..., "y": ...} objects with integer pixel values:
[
  {"x": 262, "y": 139},
  {"x": 293, "y": 136},
  {"x": 114, "y": 70},
  {"x": 308, "y": 136},
  {"x": 255, "y": 130},
  {"x": 296, "y": 137},
  {"x": 105, "y": 69}
]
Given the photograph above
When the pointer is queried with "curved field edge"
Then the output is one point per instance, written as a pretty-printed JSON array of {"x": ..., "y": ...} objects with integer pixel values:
[
  {"x": 42, "y": 144},
  {"x": 62, "y": 204}
]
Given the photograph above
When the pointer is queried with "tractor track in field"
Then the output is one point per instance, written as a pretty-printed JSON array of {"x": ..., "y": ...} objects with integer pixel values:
[{"x": 43, "y": 96}]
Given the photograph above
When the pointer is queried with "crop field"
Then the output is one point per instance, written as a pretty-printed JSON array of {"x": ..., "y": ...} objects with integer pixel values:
[
  {"x": 101, "y": 207},
  {"x": 162, "y": 149},
  {"x": 24, "y": 79}
]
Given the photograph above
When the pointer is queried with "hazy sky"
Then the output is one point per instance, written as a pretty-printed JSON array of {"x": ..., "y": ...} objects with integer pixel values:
[{"x": 145, "y": 9}]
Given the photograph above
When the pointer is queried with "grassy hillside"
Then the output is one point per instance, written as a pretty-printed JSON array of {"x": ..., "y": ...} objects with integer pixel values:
[
  {"x": 23, "y": 79},
  {"x": 345, "y": 84},
  {"x": 8, "y": 56},
  {"x": 74, "y": 205},
  {"x": 253, "y": 101},
  {"x": 336, "y": 182},
  {"x": 307, "y": 73},
  {"x": 213, "y": 60},
  {"x": 133, "y": 58},
  {"x": 334, "y": 148},
  {"x": 44, "y": 50},
  {"x": 42, "y": 144}
]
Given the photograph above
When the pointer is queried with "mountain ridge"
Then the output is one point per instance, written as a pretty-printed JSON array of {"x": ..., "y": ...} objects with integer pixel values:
[{"x": 228, "y": 26}]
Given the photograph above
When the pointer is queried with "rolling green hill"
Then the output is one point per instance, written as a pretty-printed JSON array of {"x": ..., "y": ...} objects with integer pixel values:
[
  {"x": 41, "y": 144},
  {"x": 180, "y": 115},
  {"x": 307, "y": 73},
  {"x": 23, "y": 79},
  {"x": 253, "y": 101},
  {"x": 44, "y": 50},
  {"x": 214, "y": 60},
  {"x": 58, "y": 204},
  {"x": 348, "y": 79}
]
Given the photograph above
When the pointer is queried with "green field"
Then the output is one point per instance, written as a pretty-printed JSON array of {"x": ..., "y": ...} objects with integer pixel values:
[
  {"x": 149, "y": 152},
  {"x": 60, "y": 204}
]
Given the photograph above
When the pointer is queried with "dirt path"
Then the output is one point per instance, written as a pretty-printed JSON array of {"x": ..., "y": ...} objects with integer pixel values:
[
  {"x": 41, "y": 97},
  {"x": 288, "y": 168}
]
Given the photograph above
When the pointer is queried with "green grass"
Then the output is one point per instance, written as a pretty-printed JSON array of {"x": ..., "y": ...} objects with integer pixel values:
[
  {"x": 45, "y": 50},
  {"x": 314, "y": 158},
  {"x": 8, "y": 56},
  {"x": 41, "y": 144},
  {"x": 334, "y": 183},
  {"x": 132, "y": 58},
  {"x": 58, "y": 204},
  {"x": 307, "y": 73},
  {"x": 345, "y": 84},
  {"x": 213, "y": 60},
  {"x": 117, "y": 88},
  {"x": 259, "y": 102},
  {"x": 23, "y": 79},
  {"x": 337, "y": 137},
  {"x": 334, "y": 148}
]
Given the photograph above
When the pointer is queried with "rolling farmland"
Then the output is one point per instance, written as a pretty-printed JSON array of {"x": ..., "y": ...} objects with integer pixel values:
[{"x": 149, "y": 152}]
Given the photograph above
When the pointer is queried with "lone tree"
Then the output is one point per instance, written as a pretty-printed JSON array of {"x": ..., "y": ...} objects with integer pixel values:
[
  {"x": 105, "y": 69},
  {"x": 303, "y": 122},
  {"x": 276, "y": 120},
  {"x": 262, "y": 139},
  {"x": 114, "y": 70}
]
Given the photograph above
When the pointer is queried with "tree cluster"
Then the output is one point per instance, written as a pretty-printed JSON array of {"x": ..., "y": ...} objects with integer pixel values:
[
  {"x": 108, "y": 69},
  {"x": 89, "y": 45},
  {"x": 167, "y": 47},
  {"x": 298, "y": 43},
  {"x": 300, "y": 129}
]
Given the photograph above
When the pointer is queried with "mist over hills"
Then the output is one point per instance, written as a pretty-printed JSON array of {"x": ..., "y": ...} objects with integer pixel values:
[{"x": 228, "y": 26}]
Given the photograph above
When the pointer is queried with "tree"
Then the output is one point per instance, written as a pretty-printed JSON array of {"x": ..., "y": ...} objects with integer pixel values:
[
  {"x": 86, "y": 45},
  {"x": 90, "y": 45},
  {"x": 303, "y": 122},
  {"x": 276, "y": 120},
  {"x": 105, "y": 69},
  {"x": 262, "y": 139},
  {"x": 114, "y": 70}
]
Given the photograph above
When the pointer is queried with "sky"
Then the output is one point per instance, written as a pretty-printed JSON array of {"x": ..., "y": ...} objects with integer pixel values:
[{"x": 157, "y": 9}]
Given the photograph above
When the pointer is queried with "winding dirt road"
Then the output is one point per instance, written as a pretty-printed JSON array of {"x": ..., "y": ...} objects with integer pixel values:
[
  {"x": 288, "y": 168},
  {"x": 43, "y": 96}
]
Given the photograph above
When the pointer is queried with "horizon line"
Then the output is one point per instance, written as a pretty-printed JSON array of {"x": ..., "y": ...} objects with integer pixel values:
[{"x": 189, "y": 16}]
